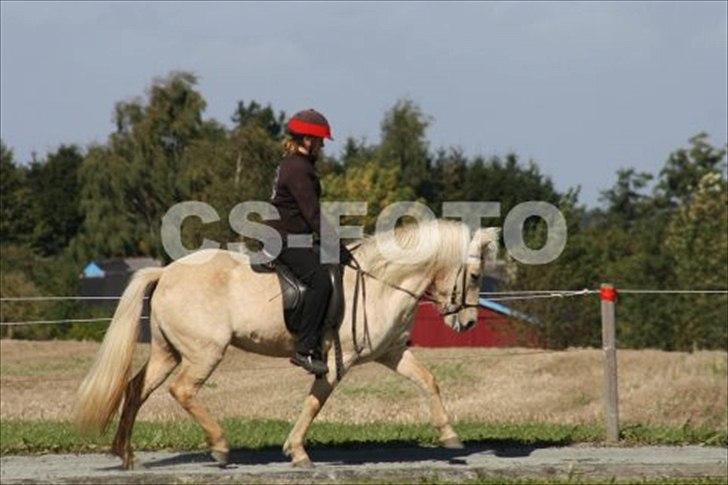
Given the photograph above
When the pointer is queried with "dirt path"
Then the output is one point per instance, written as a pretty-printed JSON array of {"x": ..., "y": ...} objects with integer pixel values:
[{"x": 408, "y": 464}]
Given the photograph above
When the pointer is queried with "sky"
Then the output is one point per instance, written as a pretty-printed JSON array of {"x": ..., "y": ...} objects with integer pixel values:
[{"x": 582, "y": 89}]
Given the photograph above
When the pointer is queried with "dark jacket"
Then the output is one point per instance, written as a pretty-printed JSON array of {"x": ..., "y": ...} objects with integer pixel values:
[{"x": 296, "y": 194}]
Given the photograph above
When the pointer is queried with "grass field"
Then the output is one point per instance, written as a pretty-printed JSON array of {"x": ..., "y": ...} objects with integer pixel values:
[
  {"x": 47, "y": 436},
  {"x": 492, "y": 394}
]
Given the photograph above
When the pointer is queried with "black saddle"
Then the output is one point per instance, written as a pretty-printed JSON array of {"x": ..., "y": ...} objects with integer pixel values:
[{"x": 293, "y": 291}]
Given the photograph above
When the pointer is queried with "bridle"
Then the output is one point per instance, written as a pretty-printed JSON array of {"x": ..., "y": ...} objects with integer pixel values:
[{"x": 456, "y": 304}]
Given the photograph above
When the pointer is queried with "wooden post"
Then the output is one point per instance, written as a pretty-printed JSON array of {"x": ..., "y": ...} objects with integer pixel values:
[{"x": 608, "y": 296}]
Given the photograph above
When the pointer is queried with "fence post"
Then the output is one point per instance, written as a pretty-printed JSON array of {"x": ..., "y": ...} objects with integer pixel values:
[{"x": 608, "y": 295}]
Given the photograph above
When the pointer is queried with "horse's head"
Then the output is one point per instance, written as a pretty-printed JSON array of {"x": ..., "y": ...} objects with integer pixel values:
[
  {"x": 450, "y": 268},
  {"x": 458, "y": 288}
]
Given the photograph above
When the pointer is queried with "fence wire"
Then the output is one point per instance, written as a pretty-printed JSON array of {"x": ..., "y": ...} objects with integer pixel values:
[
  {"x": 64, "y": 320},
  {"x": 489, "y": 295},
  {"x": 534, "y": 295},
  {"x": 676, "y": 292},
  {"x": 60, "y": 298},
  {"x": 289, "y": 367}
]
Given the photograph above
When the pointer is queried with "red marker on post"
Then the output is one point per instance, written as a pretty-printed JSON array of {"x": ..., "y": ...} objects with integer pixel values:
[{"x": 608, "y": 293}]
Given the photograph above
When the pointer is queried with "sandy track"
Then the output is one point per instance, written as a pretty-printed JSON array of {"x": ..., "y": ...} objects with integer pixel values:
[{"x": 408, "y": 464}]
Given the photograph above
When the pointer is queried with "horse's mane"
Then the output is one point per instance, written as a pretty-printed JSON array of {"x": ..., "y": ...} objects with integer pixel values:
[{"x": 454, "y": 237}]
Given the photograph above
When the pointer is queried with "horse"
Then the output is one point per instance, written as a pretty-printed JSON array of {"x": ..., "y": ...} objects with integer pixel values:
[{"x": 211, "y": 299}]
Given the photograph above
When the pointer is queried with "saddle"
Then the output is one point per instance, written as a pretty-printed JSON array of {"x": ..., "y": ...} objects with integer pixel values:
[{"x": 293, "y": 292}]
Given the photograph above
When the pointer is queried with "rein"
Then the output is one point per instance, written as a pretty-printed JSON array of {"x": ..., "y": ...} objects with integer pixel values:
[{"x": 454, "y": 305}]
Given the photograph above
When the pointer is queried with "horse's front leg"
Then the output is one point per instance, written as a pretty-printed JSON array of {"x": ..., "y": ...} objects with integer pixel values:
[
  {"x": 404, "y": 362},
  {"x": 317, "y": 396}
]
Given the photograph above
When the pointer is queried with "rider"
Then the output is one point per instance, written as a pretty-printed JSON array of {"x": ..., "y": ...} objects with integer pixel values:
[{"x": 296, "y": 195}]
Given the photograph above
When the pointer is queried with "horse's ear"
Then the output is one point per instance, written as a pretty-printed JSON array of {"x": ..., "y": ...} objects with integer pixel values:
[{"x": 489, "y": 237}]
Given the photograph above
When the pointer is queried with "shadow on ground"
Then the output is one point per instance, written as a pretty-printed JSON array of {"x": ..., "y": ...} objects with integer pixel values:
[{"x": 360, "y": 453}]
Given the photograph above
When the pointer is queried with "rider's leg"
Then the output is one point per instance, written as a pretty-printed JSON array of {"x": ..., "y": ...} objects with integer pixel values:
[{"x": 305, "y": 264}]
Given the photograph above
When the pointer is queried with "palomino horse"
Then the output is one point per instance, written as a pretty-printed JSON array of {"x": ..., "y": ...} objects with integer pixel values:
[{"x": 211, "y": 299}]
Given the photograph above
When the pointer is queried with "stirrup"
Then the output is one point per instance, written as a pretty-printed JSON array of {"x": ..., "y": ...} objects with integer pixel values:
[{"x": 311, "y": 363}]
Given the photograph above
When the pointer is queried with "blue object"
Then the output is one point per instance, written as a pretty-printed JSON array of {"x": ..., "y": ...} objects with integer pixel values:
[
  {"x": 504, "y": 310},
  {"x": 92, "y": 270}
]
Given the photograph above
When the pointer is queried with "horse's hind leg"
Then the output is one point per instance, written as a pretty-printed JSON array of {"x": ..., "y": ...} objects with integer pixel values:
[
  {"x": 404, "y": 362},
  {"x": 184, "y": 389},
  {"x": 162, "y": 360}
]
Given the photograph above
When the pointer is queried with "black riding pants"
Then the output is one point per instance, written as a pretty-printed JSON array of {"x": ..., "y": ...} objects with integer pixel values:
[{"x": 305, "y": 263}]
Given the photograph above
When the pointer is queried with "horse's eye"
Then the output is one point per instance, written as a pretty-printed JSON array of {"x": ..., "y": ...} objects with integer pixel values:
[{"x": 474, "y": 277}]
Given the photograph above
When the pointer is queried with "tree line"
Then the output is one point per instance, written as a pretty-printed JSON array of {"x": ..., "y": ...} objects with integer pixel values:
[{"x": 658, "y": 231}]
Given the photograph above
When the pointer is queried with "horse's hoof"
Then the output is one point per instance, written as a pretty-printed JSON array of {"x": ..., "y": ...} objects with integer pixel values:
[
  {"x": 302, "y": 463},
  {"x": 220, "y": 457},
  {"x": 130, "y": 463},
  {"x": 453, "y": 443}
]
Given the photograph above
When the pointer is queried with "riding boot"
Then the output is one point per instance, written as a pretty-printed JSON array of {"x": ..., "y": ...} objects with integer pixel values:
[{"x": 311, "y": 361}]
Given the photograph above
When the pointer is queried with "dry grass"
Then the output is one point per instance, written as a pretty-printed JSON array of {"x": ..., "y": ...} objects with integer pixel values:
[{"x": 38, "y": 381}]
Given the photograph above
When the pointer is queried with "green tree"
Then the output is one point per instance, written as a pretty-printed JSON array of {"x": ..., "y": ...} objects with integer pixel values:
[
  {"x": 686, "y": 167},
  {"x": 357, "y": 152},
  {"x": 626, "y": 200},
  {"x": 404, "y": 145},
  {"x": 225, "y": 170},
  {"x": 377, "y": 185},
  {"x": 639, "y": 240},
  {"x": 265, "y": 117},
  {"x": 14, "y": 284},
  {"x": 16, "y": 220},
  {"x": 55, "y": 200},
  {"x": 450, "y": 174},
  {"x": 508, "y": 181},
  {"x": 164, "y": 152},
  {"x": 128, "y": 185},
  {"x": 697, "y": 238},
  {"x": 622, "y": 245},
  {"x": 25, "y": 273},
  {"x": 557, "y": 322}
]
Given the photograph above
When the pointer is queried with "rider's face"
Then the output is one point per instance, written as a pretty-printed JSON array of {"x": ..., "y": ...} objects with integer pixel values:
[{"x": 313, "y": 145}]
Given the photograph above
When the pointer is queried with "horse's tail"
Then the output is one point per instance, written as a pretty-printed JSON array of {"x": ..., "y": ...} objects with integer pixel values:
[{"x": 101, "y": 391}]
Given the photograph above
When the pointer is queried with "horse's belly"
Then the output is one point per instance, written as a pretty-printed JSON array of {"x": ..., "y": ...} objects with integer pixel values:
[
  {"x": 283, "y": 347},
  {"x": 266, "y": 336}
]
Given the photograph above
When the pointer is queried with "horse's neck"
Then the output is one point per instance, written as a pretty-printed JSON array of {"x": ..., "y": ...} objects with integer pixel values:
[
  {"x": 416, "y": 282},
  {"x": 402, "y": 289},
  {"x": 415, "y": 277}
]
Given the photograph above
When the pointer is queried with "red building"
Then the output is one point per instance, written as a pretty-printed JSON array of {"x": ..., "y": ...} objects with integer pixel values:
[{"x": 494, "y": 329}]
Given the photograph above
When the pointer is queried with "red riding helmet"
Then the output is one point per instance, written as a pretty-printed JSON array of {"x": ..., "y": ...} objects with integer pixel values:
[{"x": 311, "y": 123}]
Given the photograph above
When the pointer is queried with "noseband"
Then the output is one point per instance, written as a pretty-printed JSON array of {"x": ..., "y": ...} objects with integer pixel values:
[{"x": 458, "y": 303}]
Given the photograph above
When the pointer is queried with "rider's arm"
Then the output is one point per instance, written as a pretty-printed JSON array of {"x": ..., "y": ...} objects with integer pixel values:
[{"x": 302, "y": 183}]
